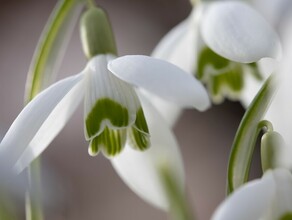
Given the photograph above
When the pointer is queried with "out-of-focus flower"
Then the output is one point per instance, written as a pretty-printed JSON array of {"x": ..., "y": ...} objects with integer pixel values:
[
  {"x": 141, "y": 170},
  {"x": 269, "y": 198},
  {"x": 220, "y": 42}
]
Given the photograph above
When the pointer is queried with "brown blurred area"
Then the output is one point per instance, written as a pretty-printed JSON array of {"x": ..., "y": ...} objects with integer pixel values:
[{"x": 88, "y": 188}]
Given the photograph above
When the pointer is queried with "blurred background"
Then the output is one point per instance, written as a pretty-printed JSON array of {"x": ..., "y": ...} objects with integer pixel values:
[{"x": 88, "y": 188}]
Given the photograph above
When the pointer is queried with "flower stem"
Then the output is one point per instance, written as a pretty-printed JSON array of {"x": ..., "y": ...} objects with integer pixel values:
[
  {"x": 179, "y": 207},
  {"x": 90, "y": 4},
  {"x": 33, "y": 203}
]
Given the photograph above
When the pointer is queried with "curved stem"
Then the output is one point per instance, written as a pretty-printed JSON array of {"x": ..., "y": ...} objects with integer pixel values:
[
  {"x": 265, "y": 126},
  {"x": 246, "y": 135}
]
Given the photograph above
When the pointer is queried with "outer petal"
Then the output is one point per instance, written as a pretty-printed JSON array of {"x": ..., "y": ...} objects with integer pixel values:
[
  {"x": 168, "y": 110},
  {"x": 110, "y": 101},
  {"x": 274, "y": 11},
  {"x": 179, "y": 45},
  {"x": 283, "y": 197},
  {"x": 252, "y": 85},
  {"x": 161, "y": 78},
  {"x": 140, "y": 169},
  {"x": 236, "y": 31},
  {"x": 248, "y": 202},
  {"x": 41, "y": 120}
]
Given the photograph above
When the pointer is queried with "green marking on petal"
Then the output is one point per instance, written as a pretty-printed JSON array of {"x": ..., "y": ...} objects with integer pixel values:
[
  {"x": 140, "y": 122},
  {"x": 138, "y": 140},
  {"x": 110, "y": 141},
  {"x": 287, "y": 216},
  {"x": 224, "y": 78},
  {"x": 139, "y": 132},
  {"x": 208, "y": 57},
  {"x": 106, "y": 109}
]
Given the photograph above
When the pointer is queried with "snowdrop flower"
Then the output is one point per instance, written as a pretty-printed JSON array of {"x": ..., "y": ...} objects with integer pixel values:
[
  {"x": 112, "y": 110},
  {"x": 140, "y": 170},
  {"x": 220, "y": 42},
  {"x": 268, "y": 198}
]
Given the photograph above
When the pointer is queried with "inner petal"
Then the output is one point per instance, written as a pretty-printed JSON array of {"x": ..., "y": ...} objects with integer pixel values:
[
  {"x": 110, "y": 141},
  {"x": 108, "y": 100}
]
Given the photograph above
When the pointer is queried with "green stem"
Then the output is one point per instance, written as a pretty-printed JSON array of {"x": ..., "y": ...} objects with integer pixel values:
[
  {"x": 265, "y": 126},
  {"x": 179, "y": 207},
  {"x": 246, "y": 135},
  {"x": 33, "y": 206}
]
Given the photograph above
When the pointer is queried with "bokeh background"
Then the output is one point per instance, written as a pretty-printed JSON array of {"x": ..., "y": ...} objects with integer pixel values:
[{"x": 87, "y": 187}]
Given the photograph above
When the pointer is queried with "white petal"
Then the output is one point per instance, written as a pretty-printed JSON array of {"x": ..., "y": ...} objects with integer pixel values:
[
  {"x": 38, "y": 116},
  {"x": 283, "y": 196},
  {"x": 103, "y": 84},
  {"x": 139, "y": 170},
  {"x": 179, "y": 45},
  {"x": 168, "y": 110},
  {"x": 237, "y": 32},
  {"x": 252, "y": 85},
  {"x": 249, "y": 201},
  {"x": 273, "y": 11},
  {"x": 162, "y": 79}
]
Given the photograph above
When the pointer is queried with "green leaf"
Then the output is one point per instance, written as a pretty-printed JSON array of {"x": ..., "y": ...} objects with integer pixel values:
[
  {"x": 51, "y": 46},
  {"x": 247, "y": 133}
]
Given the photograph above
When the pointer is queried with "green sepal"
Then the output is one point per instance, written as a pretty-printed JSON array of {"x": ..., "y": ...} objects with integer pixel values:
[
  {"x": 49, "y": 50},
  {"x": 287, "y": 216},
  {"x": 271, "y": 144},
  {"x": 96, "y": 33},
  {"x": 139, "y": 133},
  {"x": 105, "y": 109},
  {"x": 246, "y": 135},
  {"x": 110, "y": 141}
]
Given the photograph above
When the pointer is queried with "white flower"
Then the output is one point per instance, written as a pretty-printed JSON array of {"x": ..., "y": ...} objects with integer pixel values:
[
  {"x": 112, "y": 108},
  {"x": 269, "y": 198},
  {"x": 140, "y": 170},
  {"x": 219, "y": 42}
]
